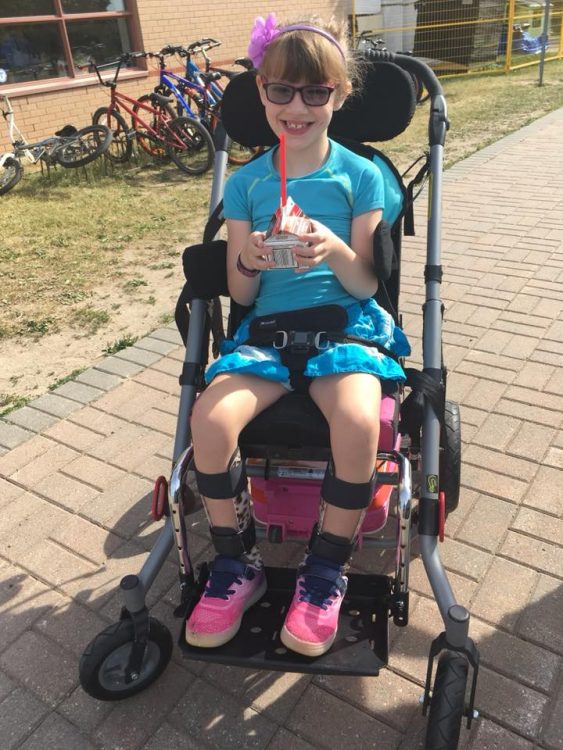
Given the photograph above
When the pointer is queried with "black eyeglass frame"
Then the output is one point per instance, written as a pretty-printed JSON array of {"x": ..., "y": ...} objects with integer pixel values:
[{"x": 301, "y": 90}]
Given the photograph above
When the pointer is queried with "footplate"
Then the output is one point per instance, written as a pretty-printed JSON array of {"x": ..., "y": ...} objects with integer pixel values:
[{"x": 361, "y": 646}]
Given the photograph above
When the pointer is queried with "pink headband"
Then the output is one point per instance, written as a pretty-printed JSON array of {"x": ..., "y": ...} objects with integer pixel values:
[{"x": 265, "y": 31}]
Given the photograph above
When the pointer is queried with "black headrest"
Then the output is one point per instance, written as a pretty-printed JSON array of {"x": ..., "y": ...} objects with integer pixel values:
[{"x": 380, "y": 111}]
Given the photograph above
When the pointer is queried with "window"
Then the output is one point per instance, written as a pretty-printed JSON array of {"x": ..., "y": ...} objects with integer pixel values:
[{"x": 47, "y": 39}]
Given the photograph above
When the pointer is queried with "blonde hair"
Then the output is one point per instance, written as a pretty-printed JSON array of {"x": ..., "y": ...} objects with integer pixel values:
[{"x": 305, "y": 55}]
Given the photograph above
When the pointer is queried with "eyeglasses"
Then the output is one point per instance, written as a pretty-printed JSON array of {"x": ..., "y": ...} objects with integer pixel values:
[{"x": 313, "y": 95}]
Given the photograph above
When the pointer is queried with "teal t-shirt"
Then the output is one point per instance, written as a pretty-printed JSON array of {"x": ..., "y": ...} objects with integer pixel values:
[{"x": 346, "y": 186}]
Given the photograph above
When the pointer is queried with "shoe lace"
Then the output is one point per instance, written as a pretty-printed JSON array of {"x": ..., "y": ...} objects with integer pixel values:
[
  {"x": 225, "y": 572},
  {"x": 320, "y": 584}
]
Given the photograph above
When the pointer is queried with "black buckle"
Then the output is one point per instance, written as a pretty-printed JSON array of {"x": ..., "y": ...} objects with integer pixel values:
[{"x": 300, "y": 341}]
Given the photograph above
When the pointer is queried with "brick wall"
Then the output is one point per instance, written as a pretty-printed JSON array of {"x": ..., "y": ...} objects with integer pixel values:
[{"x": 161, "y": 22}]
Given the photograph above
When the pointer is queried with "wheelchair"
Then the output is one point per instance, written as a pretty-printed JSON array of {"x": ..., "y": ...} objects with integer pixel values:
[{"x": 286, "y": 448}]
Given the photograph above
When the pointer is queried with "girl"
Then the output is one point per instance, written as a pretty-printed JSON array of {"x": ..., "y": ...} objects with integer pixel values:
[{"x": 303, "y": 77}]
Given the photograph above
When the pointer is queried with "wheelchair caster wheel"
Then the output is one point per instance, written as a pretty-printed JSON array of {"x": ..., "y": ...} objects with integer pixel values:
[
  {"x": 447, "y": 706},
  {"x": 104, "y": 663}
]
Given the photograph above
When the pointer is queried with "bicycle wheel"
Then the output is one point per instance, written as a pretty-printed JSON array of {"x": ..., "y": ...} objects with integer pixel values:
[
  {"x": 239, "y": 154},
  {"x": 10, "y": 174},
  {"x": 190, "y": 145},
  {"x": 88, "y": 144},
  {"x": 121, "y": 147},
  {"x": 151, "y": 145}
]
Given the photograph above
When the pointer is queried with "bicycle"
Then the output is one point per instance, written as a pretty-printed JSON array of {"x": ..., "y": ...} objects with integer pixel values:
[
  {"x": 69, "y": 147},
  {"x": 183, "y": 139},
  {"x": 197, "y": 94}
]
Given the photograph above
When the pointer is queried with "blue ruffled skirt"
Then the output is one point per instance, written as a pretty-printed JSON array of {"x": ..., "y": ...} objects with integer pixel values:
[{"x": 365, "y": 319}]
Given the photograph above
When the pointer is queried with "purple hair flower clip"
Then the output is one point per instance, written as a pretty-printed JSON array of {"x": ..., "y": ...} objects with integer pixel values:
[{"x": 263, "y": 33}]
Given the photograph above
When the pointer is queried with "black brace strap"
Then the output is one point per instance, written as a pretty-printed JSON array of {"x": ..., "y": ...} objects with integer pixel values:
[
  {"x": 347, "y": 495},
  {"x": 337, "y": 549},
  {"x": 224, "y": 485},
  {"x": 433, "y": 273},
  {"x": 233, "y": 543},
  {"x": 411, "y": 197}
]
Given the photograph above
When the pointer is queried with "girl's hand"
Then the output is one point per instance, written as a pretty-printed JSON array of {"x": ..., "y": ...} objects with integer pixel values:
[
  {"x": 253, "y": 255},
  {"x": 321, "y": 244}
]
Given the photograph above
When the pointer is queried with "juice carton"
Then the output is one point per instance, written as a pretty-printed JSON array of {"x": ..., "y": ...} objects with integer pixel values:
[{"x": 287, "y": 223}]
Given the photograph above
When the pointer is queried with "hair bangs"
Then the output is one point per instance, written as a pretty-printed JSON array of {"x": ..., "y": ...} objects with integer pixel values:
[{"x": 298, "y": 56}]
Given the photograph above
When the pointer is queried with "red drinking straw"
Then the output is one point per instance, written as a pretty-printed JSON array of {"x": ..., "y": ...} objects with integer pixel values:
[{"x": 283, "y": 180}]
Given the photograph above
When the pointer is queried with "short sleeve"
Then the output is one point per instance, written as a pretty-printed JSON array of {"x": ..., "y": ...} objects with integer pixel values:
[
  {"x": 369, "y": 194},
  {"x": 235, "y": 199}
]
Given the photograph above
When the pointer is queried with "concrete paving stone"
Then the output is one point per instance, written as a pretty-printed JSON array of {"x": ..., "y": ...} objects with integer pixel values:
[
  {"x": 487, "y": 524},
  {"x": 80, "y": 392},
  {"x": 322, "y": 719},
  {"x": 105, "y": 381},
  {"x": 167, "y": 738},
  {"x": 529, "y": 413},
  {"x": 497, "y": 431},
  {"x": 23, "y": 600},
  {"x": 169, "y": 334},
  {"x": 536, "y": 553},
  {"x": 516, "y": 658},
  {"x": 495, "y": 359},
  {"x": 128, "y": 446},
  {"x": 411, "y": 645},
  {"x": 30, "y": 419},
  {"x": 517, "y": 707},
  {"x": 207, "y": 714},
  {"x": 158, "y": 420},
  {"x": 159, "y": 380},
  {"x": 120, "y": 367},
  {"x": 492, "y": 483},
  {"x": 3, "y": 451},
  {"x": 53, "y": 674},
  {"x": 519, "y": 346},
  {"x": 9, "y": 492},
  {"x": 491, "y": 736},
  {"x": 459, "y": 385},
  {"x": 284, "y": 739},
  {"x": 11, "y": 435},
  {"x": 28, "y": 523},
  {"x": 63, "y": 490},
  {"x": 390, "y": 698},
  {"x": 86, "y": 539},
  {"x": 535, "y": 375},
  {"x": 96, "y": 420},
  {"x": 511, "y": 326},
  {"x": 484, "y": 316},
  {"x": 470, "y": 416},
  {"x": 134, "y": 720},
  {"x": 55, "y": 458},
  {"x": 130, "y": 400},
  {"x": 6, "y": 686},
  {"x": 70, "y": 434},
  {"x": 154, "y": 466},
  {"x": 57, "y": 565},
  {"x": 93, "y": 472},
  {"x": 464, "y": 559},
  {"x": 273, "y": 694},
  {"x": 547, "y": 358},
  {"x": 20, "y": 713},
  {"x": 170, "y": 404},
  {"x": 554, "y": 457},
  {"x": 156, "y": 345},
  {"x": 539, "y": 525},
  {"x": 504, "y": 594},
  {"x": 83, "y": 711},
  {"x": 552, "y": 735},
  {"x": 139, "y": 356},
  {"x": 503, "y": 463},
  {"x": 169, "y": 366},
  {"x": 463, "y": 588},
  {"x": 535, "y": 398},
  {"x": 467, "y": 499},
  {"x": 483, "y": 371},
  {"x": 531, "y": 441},
  {"x": 125, "y": 507},
  {"x": 70, "y": 625},
  {"x": 485, "y": 394},
  {"x": 56, "y": 732},
  {"x": 546, "y": 491},
  {"x": 54, "y": 404}
]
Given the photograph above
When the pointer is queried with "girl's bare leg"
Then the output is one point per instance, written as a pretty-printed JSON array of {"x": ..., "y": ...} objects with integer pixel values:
[
  {"x": 227, "y": 405},
  {"x": 351, "y": 404}
]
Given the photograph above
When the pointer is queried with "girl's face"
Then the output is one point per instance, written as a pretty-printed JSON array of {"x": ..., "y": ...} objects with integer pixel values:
[{"x": 302, "y": 124}]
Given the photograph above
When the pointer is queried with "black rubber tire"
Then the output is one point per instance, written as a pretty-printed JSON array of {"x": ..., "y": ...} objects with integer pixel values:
[
  {"x": 156, "y": 149},
  {"x": 450, "y": 456},
  {"x": 121, "y": 146},
  {"x": 199, "y": 152},
  {"x": 88, "y": 144},
  {"x": 102, "y": 665},
  {"x": 10, "y": 174},
  {"x": 448, "y": 703}
]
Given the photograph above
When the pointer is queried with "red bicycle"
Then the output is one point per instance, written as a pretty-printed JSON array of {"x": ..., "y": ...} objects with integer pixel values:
[{"x": 185, "y": 141}]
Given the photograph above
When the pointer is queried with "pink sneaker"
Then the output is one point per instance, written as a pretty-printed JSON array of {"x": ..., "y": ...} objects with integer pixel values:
[
  {"x": 232, "y": 587},
  {"x": 312, "y": 621}
]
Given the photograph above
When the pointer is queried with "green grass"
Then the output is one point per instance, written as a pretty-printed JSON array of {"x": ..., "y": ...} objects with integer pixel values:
[{"x": 119, "y": 344}]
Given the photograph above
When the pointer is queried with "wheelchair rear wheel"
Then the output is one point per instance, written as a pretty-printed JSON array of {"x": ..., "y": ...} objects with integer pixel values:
[
  {"x": 103, "y": 665},
  {"x": 448, "y": 703},
  {"x": 450, "y": 455}
]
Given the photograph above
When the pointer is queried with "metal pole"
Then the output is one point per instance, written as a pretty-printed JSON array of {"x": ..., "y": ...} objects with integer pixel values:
[{"x": 544, "y": 40}]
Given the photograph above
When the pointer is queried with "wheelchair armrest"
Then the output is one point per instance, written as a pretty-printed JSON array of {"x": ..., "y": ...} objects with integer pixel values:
[
  {"x": 205, "y": 269},
  {"x": 383, "y": 251}
]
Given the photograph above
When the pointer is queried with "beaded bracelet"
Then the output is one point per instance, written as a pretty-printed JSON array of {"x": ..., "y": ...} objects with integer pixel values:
[{"x": 241, "y": 268}]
